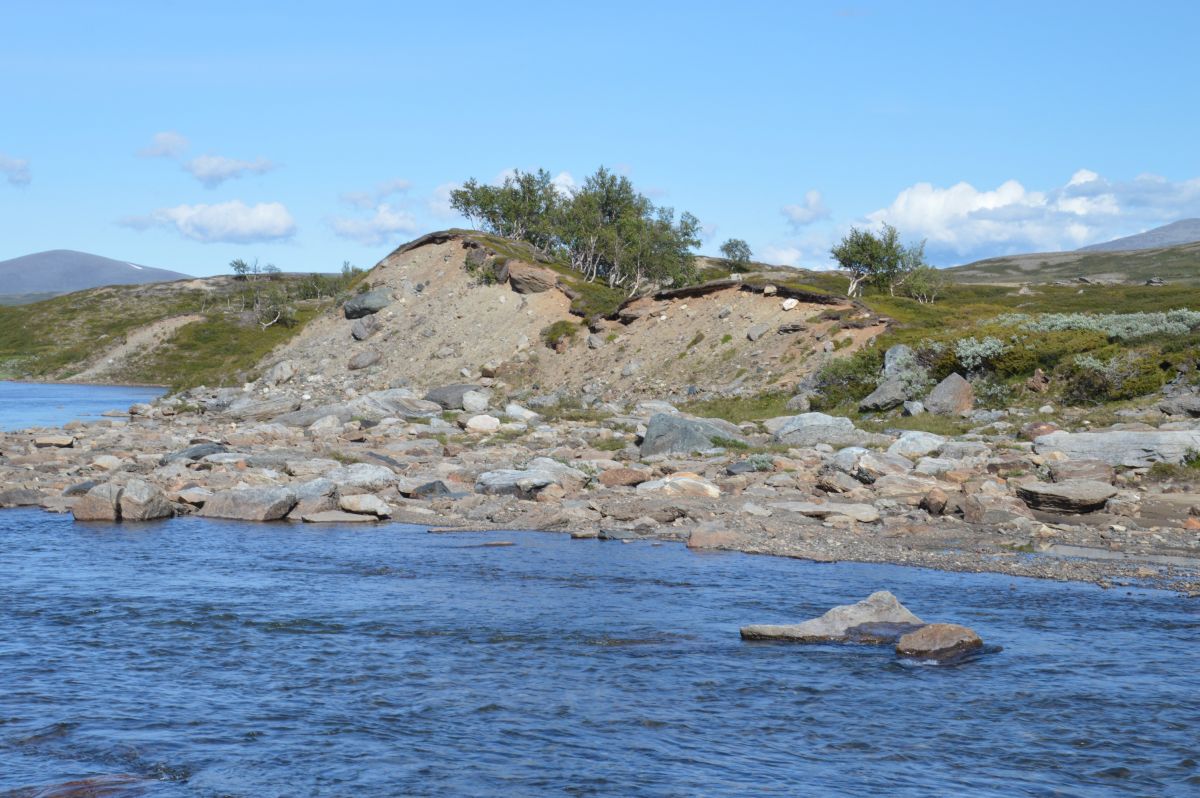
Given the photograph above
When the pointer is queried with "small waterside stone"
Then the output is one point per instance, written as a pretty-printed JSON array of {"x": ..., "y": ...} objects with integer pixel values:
[{"x": 938, "y": 641}]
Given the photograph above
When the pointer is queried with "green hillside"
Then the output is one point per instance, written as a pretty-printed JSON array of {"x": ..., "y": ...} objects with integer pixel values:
[{"x": 1177, "y": 264}]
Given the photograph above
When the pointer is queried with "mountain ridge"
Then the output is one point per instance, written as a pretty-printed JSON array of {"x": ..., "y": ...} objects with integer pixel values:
[{"x": 63, "y": 271}]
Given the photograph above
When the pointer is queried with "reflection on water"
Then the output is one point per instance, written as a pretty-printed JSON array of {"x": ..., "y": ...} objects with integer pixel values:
[{"x": 220, "y": 659}]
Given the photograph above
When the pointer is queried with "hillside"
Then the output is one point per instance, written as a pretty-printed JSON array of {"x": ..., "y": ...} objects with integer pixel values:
[
  {"x": 1185, "y": 231},
  {"x": 1176, "y": 264},
  {"x": 180, "y": 334},
  {"x": 30, "y": 278},
  {"x": 449, "y": 317}
]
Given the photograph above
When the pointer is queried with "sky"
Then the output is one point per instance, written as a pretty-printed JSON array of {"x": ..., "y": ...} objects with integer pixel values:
[{"x": 306, "y": 135}]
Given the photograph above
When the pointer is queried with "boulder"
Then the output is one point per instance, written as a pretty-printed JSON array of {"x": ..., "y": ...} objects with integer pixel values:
[
  {"x": 890, "y": 393},
  {"x": 54, "y": 441},
  {"x": 518, "y": 413},
  {"x": 482, "y": 424},
  {"x": 193, "y": 453},
  {"x": 878, "y": 608},
  {"x": 991, "y": 510},
  {"x": 526, "y": 278},
  {"x": 141, "y": 501},
  {"x": 1184, "y": 405},
  {"x": 364, "y": 359},
  {"x": 953, "y": 396},
  {"x": 1069, "y": 496},
  {"x": 250, "y": 504},
  {"x": 671, "y": 434},
  {"x": 363, "y": 328},
  {"x": 714, "y": 537},
  {"x": 280, "y": 373},
  {"x": 336, "y": 517},
  {"x": 1098, "y": 470},
  {"x": 938, "y": 641},
  {"x": 913, "y": 408},
  {"x": 623, "y": 477},
  {"x": 101, "y": 503},
  {"x": 864, "y": 513},
  {"x": 450, "y": 397},
  {"x": 1129, "y": 448},
  {"x": 367, "y": 304},
  {"x": 251, "y": 408},
  {"x": 362, "y": 476},
  {"x": 522, "y": 483},
  {"x": 810, "y": 429},
  {"x": 365, "y": 504},
  {"x": 475, "y": 401},
  {"x": 915, "y": 445},
  {"x": 682, "y": 485},
  {"x": 757, "y": 331},
  {"x": 430, "y": 490}
]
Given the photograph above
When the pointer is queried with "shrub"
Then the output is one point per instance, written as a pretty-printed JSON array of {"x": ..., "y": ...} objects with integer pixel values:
[
  {"x": 1117, "y": 326},
  {"x": 848, "y": 379},
  {"x": 973, "y": 354},
  {"x": 1089, "y": 379},
  {"x": 559, "y": 331}
]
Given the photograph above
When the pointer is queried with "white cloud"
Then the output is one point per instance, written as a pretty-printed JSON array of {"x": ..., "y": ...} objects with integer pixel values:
[
  {"x": 372, "y": 197},
  {"x": 812, "y": 210},
  {"x": 439, "y": 201},
  {"x": 167, "y": 144},
  {"x": 707, "y": 231},
  {"x": 961, "y": 222},
  {"x": 15, "y": 170},
  {"x": 781, "y": 255},
  {"x": 213, "y": 170},
  {"x": 382, "y": 227},
  {"x": 231, "y": 222},
  {"x": 564, "y": 183}
]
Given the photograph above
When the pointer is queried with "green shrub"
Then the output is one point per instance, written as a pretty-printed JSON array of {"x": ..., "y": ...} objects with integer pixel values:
[
  {"x": 1091, "y": 379},
  {"x": 847, "y": 379},
  {"x": 558, "y": 331}
]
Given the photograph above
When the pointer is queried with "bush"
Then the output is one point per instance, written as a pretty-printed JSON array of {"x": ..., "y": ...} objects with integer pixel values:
[
  {"x": 1117, "y": 326},
  {"x": 844, "y": 380},
  {"x": 1089, "y": 379},
  {"x": 974, "y": 355},
  {"x": 559, "y": 331}
]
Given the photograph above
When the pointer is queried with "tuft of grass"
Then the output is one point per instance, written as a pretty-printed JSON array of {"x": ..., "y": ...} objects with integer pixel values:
[
  {"x": 564, "y": 330},
  {"x": 739, "y": 409}
]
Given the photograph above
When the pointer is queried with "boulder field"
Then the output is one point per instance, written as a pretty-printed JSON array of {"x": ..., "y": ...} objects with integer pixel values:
[{"x": 475, "y": 455}]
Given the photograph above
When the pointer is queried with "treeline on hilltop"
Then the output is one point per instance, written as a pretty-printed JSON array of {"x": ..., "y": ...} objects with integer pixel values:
[{"x": 605, "y": 229}]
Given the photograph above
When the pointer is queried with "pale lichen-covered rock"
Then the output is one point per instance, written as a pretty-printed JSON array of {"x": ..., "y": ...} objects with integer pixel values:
[
  {"x": 682, "y": 484},
  {"x": 864, "y": 513},
  {"x": 1129, "y": 448},
  {"x": 672, "y": 434},
  {"x": 878, "y": 608},
  {"x": 953, "y": 396},
  {"x": 141, "y": 501}
]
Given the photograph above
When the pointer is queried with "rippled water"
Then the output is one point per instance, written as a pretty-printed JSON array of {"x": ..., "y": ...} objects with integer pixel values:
[
  {"x": 224, "y": 659},
  {"x": 36, "y": 404}
]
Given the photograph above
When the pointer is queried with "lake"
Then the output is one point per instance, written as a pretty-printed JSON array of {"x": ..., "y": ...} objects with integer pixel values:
[
  {"x": 226, "y": 659},
  {"x": 37, "y": 404}
]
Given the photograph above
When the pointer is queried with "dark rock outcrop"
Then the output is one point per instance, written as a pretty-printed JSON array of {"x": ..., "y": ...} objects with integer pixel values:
[
  {"x": 367, "y": 304},
  {"x": 938, "y": 641}
]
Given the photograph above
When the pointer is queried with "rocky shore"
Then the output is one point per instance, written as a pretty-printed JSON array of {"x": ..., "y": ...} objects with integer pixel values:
[{"x": 1015, "y": 495}]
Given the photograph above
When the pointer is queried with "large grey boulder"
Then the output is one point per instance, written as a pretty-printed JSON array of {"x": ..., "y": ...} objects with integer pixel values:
[
  {"x": 526, "y": 278},
  {"x": 193, "y": 453},
  {"x": 450, "y": 397},
  {"x": 362, "y": 476},
  {"x": 101, "y": 503},
  {"x": 364, "y": 359},
  {"x": 670, "y": 434},
  {"x": 363, "y": 328},
  {"x": 1069, "y": 496},
  {"x": 953, "y": 396},
  {"x": 1183, "y": 405},
  {"x": 915, "y": 444},
  {"x": 252, "y": 408},
  {"x": 810, "y": 429},
  {"x": 250, "y": 504},
  {"x": 835, "y": 625},
  {"x": 890, "y": 393},
  {"x": 1129, "y": 448},
  {"x": 367, "y": 304},
  {"x": 374, "y": 406},
  {"x": 141, "y": 501},
  {"x": 522, "y": 483}
]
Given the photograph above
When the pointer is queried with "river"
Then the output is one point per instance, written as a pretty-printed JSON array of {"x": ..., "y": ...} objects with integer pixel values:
[
  {"x": 225, "y": 659},
  {"x": 38, "y": 404}
]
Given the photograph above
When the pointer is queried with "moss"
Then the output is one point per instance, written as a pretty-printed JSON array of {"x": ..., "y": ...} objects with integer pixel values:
[{"x": 559, "y": 331}]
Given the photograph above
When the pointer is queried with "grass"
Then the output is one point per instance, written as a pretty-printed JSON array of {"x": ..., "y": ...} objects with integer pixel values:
[
  {"x": 926, "y": 422},
  {"x": 739, "y": 409}
]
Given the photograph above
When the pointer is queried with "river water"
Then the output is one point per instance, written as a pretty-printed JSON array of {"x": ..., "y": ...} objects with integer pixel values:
[
  {"x": 225, "y": 659},
  {"x": 36, "y": 404}
]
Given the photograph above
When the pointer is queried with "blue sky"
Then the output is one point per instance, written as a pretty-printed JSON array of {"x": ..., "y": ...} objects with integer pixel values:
[{"x": 183, "y": 136}]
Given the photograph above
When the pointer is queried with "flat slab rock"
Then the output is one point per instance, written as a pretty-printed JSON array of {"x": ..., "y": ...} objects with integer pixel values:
[
  {"x": 1069, "y": 496},
  {"x": 880, "y": 607},
  {"x": 938, "y": 641}
]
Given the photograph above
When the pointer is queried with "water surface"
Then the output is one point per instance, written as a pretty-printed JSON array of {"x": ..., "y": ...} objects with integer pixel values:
[
  {"x": 225, "y": 659},
  {"x": 38, "y": 404}
]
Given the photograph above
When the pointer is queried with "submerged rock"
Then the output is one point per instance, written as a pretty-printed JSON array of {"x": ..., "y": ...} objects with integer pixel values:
[
  {"x": 938, "y": 641},
  {"x": 835, "y": 625}
]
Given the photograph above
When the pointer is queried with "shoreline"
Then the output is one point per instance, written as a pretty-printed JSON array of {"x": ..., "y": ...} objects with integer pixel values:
[
  {"x": 950, "y": 504},
  {"x": 165, "y": 388}
]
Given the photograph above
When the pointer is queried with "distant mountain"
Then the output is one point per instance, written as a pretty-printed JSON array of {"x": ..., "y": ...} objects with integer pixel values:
[
  {"x": 63, "y": 271},
  {"x": 1185, "y": 231},
  {"x": 1177, "y": 264}
]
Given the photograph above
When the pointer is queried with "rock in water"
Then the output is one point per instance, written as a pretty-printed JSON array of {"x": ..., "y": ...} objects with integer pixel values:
[
  {"x": 879, "y": 607},
  {"x": 141, "y": 501},
  {"x": 1068, "y": 496},
  {"x": 250, "y": 504},
  {"x": 101, "y": 503},
  {"x": 938, "y": 641},
  {"x": 953, "y": 396},
  {"x": 367, "y": 304}
]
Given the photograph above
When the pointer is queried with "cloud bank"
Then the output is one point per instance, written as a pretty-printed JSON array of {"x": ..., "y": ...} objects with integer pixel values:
[
  {"x": 811, "y": 210},
  {"x": 15, "y": 170},
  {"x": 961, "y": 222},
  {"x": 231, "y": 222}
]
